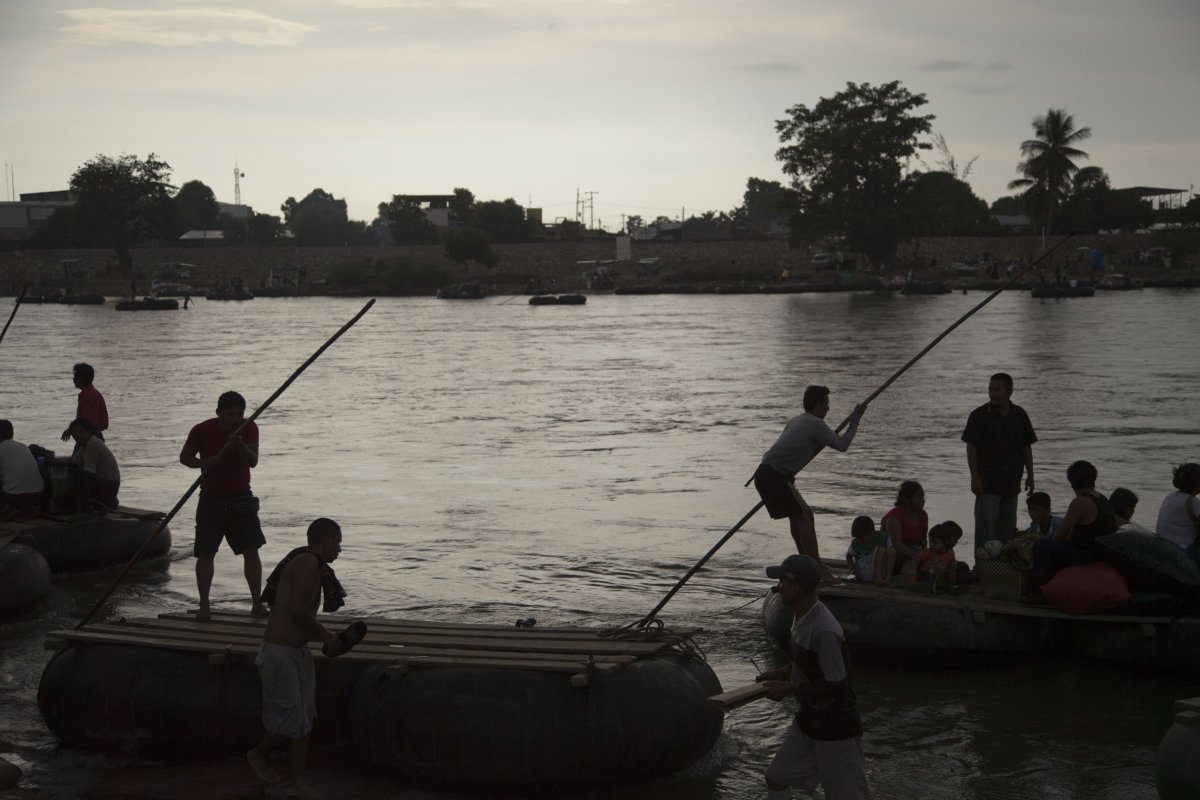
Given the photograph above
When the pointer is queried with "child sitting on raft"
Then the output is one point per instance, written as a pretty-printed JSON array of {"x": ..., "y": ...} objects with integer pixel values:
[
  {"x": 937, "y": 563},
  {"x": 1041, "y": 521},
  {"x": 871, "y": 554}
]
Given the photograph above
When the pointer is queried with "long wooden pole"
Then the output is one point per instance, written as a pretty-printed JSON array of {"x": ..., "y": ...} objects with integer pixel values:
[
  {"x": 20, "y": 297},
  {"x": 196, "y": 483},
  {"x": 646, "y": 620}
]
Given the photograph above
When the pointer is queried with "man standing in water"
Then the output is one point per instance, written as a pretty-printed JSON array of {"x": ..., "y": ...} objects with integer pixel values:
[
  {"x": 999, "y": 439},
  {"x": 823, "y": 745},
  {"x": 285, "y": 663},
  {"x": 227, "y": 509},
  {"x": 802, "y": 438}
]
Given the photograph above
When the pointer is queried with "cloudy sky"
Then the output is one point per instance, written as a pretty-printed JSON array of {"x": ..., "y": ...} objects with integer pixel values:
[{"x": 653, "y": 106}]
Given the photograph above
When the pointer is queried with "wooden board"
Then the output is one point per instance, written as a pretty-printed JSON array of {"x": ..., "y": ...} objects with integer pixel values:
[
  {"x": 405, "y": 643},
  {"x": 736, "y": 698}
]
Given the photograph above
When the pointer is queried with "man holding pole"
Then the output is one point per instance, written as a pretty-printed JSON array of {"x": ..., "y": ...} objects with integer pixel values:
[
  {"x": 999, "y": 439},
  {"x": 227, "y": 508},
  {"x": 802, "y": 438}
]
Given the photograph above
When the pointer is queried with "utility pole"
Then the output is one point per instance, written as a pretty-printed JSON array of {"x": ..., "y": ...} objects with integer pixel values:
[{"x": 591, "y": 204}]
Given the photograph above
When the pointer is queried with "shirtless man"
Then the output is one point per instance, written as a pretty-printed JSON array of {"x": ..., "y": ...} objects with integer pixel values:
[{"x": 285, "y": 662}]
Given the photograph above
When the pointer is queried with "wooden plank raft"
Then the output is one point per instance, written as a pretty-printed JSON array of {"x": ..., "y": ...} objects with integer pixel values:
[
  {"x": 402, "y": 643},
  {"x": 33, "y": 524}
]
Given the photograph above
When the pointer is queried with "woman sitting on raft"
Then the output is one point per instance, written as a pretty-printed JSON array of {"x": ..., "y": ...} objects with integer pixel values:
[
  {"x": 1088, "y": 516},
  {"x": 907, "y": 525},
  {"x": 1179, "y": 514}
]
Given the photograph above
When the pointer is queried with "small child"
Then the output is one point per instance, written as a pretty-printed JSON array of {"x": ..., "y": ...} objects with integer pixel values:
[
  {"x": 1041, "y": 521},
  {"x": 871, "y": 555},
  {"x": 937, "y": 563}
]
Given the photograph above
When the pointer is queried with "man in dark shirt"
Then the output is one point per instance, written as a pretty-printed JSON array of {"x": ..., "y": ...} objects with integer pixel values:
[
  {"x": 823, "y": 745},
  {"x": 999, "y": 439}
]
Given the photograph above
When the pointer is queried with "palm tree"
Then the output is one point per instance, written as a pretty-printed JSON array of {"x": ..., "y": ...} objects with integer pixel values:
[{"x": 1048, "y": 166}]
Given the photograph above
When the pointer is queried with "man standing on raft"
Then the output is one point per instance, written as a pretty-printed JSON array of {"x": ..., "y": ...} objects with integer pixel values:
[
  {"x": 802, "y": 438},
  {"x": 284, "y": 661}
]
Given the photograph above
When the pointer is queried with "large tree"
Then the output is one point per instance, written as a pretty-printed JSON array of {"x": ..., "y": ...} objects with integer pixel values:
[
  {"x": 846, "y": 158},
  {"x": 1049, "y": 165},
  {"x": 194, "y": 207},
  {"x": 259, "y": 229},
  {"x": 764, "y": 203},
  {"x": 405, "y": 220},
  {"x": 939, "y": 204},
  {"x": 503, "y": 221},
  {"x": 122, "y": 200},
  {"x": 318, "y": 219}
]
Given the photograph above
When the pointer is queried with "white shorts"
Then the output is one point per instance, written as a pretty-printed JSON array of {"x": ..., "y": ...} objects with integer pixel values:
[
  {"x": 289, "y": 684},
  {"x": 805, "y": 763}
]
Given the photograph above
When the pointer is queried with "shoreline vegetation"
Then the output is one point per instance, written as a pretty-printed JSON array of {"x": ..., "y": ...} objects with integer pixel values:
[{"x": 1168, "y": 259}]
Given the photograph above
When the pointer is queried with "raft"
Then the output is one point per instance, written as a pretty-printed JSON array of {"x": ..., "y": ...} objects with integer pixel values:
[
  {"x": 925, "y": 287},
  {"x": 1062, "y": 291},
  {"x": 148, "y": 304},
  {"x": 897, "y": 627},
  {"x": 24, "y": 578},
  {"x": 70, "y": 544},
  {"x": 558, "y": 300},
  {"x": 438, "y": 704}
]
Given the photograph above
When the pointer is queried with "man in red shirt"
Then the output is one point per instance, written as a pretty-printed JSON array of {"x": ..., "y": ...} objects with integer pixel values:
[
  {"x": 227, "y": 508},
  {"x": 90, "y": 405}
]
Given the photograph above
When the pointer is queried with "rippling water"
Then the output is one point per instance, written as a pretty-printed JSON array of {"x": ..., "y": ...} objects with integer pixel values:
[{"x": 491, "y": 460}]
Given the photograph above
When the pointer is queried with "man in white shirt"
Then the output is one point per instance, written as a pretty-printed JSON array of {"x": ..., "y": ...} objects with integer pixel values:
[
  {"x": 802, "y": 438},
  {"x": 20, "y": 479},
  {"x": 98, "y": 479}
]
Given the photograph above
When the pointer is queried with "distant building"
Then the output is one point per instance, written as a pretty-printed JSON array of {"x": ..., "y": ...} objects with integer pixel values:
[
  {"x": 21, "y": 219},
  {"x": 1016, "y": 223}
]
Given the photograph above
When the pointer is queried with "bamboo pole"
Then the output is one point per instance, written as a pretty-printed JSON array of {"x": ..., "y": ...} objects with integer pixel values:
[
  {"x": 646, "y": 620},
  {"x": 20, "y": 297},
  {"x": 196, "y": 483}
]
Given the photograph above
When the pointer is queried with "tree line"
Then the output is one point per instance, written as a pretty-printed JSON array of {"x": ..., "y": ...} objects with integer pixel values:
[{"x": 853, "y": 164}]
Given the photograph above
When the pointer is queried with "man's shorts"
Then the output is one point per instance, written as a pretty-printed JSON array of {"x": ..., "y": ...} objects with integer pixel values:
[
  {"x": 233, "y": 518},
  {"x": 778, "y": 493},
  {"x": 289, "y": 684},
  {"x": 838, "y": 766}
]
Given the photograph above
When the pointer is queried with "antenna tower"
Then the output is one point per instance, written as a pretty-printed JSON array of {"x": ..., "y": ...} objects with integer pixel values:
[{"x": 237, "y": 183}]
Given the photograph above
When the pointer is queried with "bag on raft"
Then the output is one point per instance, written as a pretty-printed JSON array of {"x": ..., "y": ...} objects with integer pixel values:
[
  {"x": 1151, "y": 563},
  {"x": 1089, "y": 589}
]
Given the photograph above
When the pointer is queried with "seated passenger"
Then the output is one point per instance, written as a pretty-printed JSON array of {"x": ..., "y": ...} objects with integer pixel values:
[
  {"x": 937, "y": 563},
  {"x": 20, "y": 479},
  {"x": 907, "y": 524},
  {"x": 1090, "y": 515},
  {"x": 97, "y": 478},
  {"x": 870, "y": 555},
  {"x": 1124, "y": 503},
  {"x": 1180, "y": 510},
  {"x": 1042, "y": 522}
]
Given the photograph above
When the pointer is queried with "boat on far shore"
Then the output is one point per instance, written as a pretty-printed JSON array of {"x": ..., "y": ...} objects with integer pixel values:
[{"x": 147, "y": 303}]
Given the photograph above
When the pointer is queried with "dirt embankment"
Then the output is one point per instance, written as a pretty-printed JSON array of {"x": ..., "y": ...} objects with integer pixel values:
[{"x": 422, "y": 269}]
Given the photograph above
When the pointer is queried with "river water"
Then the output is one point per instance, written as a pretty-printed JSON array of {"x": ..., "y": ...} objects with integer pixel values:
[{"x": 490, "y": 461}]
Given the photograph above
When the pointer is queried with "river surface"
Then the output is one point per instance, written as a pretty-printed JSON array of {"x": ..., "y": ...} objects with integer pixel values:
[{"x": 490, "y": 461}]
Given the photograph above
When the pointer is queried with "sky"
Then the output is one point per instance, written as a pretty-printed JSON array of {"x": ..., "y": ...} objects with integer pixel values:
[{"x": 641, "y": 106}]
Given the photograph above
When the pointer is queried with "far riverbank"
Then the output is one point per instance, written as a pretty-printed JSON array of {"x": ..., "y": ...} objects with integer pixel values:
[{"x": 562, "y": 266}]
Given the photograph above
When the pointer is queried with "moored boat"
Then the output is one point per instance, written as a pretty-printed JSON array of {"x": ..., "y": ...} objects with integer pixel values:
[
  {"x": 81, "y": 543},
  {"x": 462, "y": 291},
  {"x": 479, "y": 706},
  {"x": 558, "y": 300},
  {"x": 148, "y": 304},
  {"x": 925, "y": 287},
  {"x": 1062, "y": 291}
]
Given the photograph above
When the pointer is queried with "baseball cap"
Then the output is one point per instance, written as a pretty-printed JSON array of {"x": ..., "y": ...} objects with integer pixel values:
[{"x": 799, "y": 569}]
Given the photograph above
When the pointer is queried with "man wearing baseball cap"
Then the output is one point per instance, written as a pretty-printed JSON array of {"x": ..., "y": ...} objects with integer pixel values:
[{"x": 823, "y": 745}]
